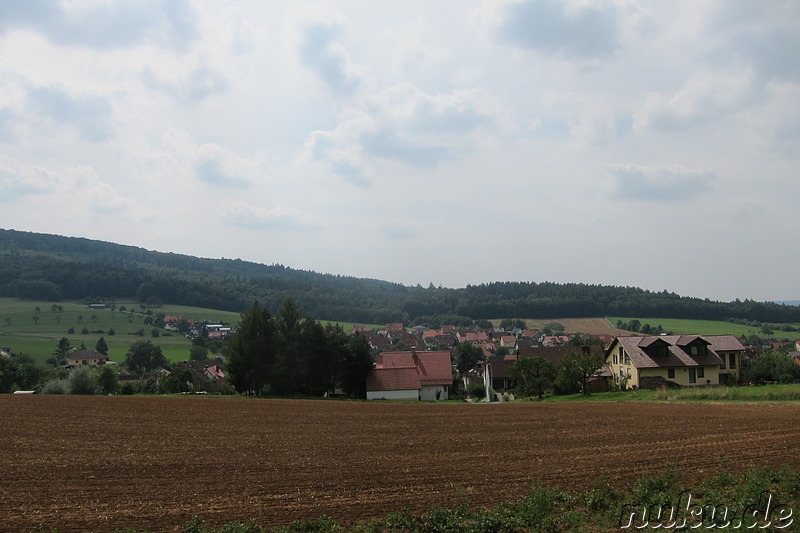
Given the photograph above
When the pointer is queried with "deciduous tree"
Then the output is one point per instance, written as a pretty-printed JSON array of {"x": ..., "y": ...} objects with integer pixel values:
[
  {"x": 532, "y": 375},
  {"x": 143, "y": 356}
]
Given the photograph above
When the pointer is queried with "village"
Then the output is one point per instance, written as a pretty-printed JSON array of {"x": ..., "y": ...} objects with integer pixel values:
[{"x": 420, "y": 363}]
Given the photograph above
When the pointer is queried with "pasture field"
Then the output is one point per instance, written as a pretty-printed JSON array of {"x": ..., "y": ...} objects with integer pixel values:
[
  {"x": 706, "y": 327},
  {"x": 38, "y": 337},
  {"x": 153, "y": 463}
]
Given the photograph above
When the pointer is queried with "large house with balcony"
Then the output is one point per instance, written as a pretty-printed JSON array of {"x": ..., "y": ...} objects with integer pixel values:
[{"x": 675, "y": 360}]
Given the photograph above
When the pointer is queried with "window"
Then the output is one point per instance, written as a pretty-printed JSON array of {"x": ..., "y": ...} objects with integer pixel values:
[
  {"x": 722, "y": 366},
  {"x": 692, "y": 375},
  {"x": 671, "y": 373},
  {"x": 732, "y": 360},
  {"x": 698, "y": 349},
  {"x": 701, "y": 372},
  {"x": 615, "y": 359}
]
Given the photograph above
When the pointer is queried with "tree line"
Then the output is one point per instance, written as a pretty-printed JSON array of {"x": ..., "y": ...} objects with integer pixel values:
[
  {"x": 52, "y": 268},
  {"x": 289, "y": 355}
]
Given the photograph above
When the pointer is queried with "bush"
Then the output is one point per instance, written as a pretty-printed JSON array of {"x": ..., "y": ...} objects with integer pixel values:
[
  {"x": 476, "y": 390},
  {"x": 81, "y": 380},
  {"x": 54, "y": 386}
]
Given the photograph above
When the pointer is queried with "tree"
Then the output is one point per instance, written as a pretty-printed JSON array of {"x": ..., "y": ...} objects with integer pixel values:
[
  {"x": 61, "y": 351},
  {"x": 183, "y": 325},
  {"x": 101, "y": 346},
  {"x": 106, "y": 379},
  {"x": 356, "y": 364},
  {"x": 576, "y": 369},
  {"x": 288, "y": 355},
  {"x": 532, "y": 375},
  {"x": 467, "y": 357},
  {"x": 250, "y": 351},
  {"x": 583, "y": 339},
  {"x": 143, "y": 356},
  {"x": 179, "y": 380},
  {"x": 198, "y": 353},
  {"x": 773, "y": 366},
  {"x": 81, "y": 380},
  {"x": 320, "y": 350}
]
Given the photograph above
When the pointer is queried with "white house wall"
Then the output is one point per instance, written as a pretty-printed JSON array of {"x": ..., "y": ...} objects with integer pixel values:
[
  {"x": 428, "y": 393},
  {"x": 393, "y": 395}
]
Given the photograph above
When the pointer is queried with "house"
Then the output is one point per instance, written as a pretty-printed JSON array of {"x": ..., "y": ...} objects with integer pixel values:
[
  {"x": 411, "y": 375},
  {"x": 499, "y": 373},
  {"x": 206, "y": 370},
  {"x": 555, "y": 340},
  {"x": 675, "y": 360},
  {"x": 509, "y": 341},
  {"x": 86, "y": 357}
]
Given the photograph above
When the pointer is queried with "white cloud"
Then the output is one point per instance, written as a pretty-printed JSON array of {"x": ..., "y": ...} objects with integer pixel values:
[
  {"x": 279, "y": 218},
  {"x": 90, "y": 115},
  {"x": 706, "y": 97},
  {"x": 671, "y": 183},
  {"x": 324, "y": 55},
  {"x": 414, "y": 123},
  {"x": 406, "y": 125},
  {"x": 570, "y": 29},
  {"x": 102, "y": 24},
  {"x": 18, "y": 178},
  {"x": 213, "y": 164}
]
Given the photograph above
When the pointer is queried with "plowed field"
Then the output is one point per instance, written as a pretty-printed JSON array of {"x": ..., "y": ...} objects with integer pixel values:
[{"x": 99, "y": 463}]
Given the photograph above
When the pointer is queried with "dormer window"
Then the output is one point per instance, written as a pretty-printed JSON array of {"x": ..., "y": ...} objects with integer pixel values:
[{"x": 698, "y": 349}]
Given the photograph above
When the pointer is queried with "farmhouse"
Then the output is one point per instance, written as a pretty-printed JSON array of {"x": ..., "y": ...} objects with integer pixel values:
[
  {"x": 678, "y": 360},
  {"x": 411, "y": 375},
  {"x": 86, "y": 357}
]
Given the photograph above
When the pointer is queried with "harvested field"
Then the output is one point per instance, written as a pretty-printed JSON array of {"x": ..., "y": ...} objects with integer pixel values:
[
  {"x": 100, "y": 463},
  {"x": 592, "y": 326}
]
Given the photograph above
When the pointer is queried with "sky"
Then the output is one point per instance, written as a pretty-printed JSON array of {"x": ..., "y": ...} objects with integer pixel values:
[{"x": 632, "y": 143}]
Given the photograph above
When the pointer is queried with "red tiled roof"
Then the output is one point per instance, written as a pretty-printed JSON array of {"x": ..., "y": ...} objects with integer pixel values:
[
  {"x": 435, "y": 368},
  {"x": 393, "y": 379},
  {"x": 410, "y": 370}
]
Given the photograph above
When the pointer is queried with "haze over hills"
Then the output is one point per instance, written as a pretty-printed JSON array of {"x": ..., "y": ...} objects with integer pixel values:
[{"x": 51, "y": 267}]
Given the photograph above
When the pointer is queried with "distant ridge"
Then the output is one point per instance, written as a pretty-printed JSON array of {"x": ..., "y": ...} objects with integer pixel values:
[{"x": 52, "y": 267}]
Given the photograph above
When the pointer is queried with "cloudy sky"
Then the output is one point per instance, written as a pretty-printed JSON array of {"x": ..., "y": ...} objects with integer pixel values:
[{"x": 627, "y": 142}]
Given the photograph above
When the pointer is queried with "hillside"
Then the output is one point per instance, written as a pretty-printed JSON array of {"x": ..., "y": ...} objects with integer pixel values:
[{"x": 56, "y": 268}]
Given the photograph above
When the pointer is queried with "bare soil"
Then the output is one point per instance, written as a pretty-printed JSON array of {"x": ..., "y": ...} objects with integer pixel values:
[{"x": 100, "y": 463}]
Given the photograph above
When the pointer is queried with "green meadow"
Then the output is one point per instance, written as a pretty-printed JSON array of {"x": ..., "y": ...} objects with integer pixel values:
[
  {"x": 36, "y": 333},
  {"x": 706, "y": 327}
]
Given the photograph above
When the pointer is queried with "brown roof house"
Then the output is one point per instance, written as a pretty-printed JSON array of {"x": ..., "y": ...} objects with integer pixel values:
[
  {"x": 86, "y": 357},
  {"x": 412, "y": 375},
  {"x": 675, "y": 360}
]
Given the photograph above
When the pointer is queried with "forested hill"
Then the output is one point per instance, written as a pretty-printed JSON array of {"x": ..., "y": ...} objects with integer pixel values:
[{"x": 50, "y": 267}]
